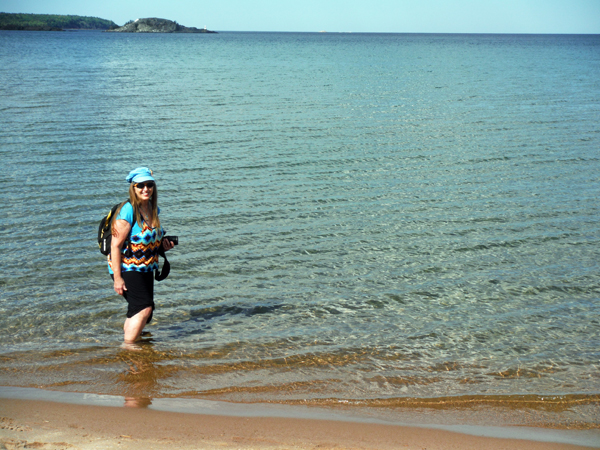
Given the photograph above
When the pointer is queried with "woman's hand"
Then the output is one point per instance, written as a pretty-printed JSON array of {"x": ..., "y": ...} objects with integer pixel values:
[
  {"x": 167, "y": 244},
  {"x": 120, "y": 285}
]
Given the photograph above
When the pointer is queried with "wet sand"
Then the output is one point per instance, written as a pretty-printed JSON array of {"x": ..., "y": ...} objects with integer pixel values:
[{"x": 53, "y": 426}]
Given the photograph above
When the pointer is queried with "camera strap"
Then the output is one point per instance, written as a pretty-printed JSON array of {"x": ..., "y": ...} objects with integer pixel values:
[{"x": 166, "y": 268}]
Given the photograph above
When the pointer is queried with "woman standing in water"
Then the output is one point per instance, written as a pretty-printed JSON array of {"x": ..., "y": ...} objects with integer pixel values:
[{"x": 132, "y": 268}]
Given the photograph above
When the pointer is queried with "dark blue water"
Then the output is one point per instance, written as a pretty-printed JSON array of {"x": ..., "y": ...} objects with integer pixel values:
[{"x": 361, "y": 216}]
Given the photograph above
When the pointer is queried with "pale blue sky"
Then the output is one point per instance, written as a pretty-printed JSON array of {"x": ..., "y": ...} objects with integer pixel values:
[{"x": 397, "y": 16}]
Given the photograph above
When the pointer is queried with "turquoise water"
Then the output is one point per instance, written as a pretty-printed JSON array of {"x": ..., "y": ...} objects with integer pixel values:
[{"x": 362, "y": 217}]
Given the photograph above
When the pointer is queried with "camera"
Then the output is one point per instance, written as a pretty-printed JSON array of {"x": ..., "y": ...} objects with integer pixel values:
[{"x": 173, "y": 239}]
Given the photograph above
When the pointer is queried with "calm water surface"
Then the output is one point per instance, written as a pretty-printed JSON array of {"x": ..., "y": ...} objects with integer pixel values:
[{"x": 378, "y": 219}]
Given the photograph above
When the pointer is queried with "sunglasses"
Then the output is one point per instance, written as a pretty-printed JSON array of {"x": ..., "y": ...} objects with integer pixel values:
[{"x": 141, "y": 186}]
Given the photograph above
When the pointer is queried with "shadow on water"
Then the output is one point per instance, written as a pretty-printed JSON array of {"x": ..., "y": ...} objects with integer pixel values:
[
  {"x": 201, "y": 319},
  {"x": 218, "y": 311}
]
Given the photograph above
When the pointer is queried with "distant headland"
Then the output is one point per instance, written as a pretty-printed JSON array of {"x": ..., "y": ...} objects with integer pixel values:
[
  {"x": 155, "y": 25},
  {"x": 55, "y": 22},
  {"x": 52, "y": 22}
]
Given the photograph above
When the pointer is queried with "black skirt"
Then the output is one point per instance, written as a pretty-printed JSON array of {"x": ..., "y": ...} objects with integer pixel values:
[{"x": 139, "y": 293}]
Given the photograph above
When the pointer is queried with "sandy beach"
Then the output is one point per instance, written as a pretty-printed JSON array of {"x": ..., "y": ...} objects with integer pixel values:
[{"x": 49, "y": 425}]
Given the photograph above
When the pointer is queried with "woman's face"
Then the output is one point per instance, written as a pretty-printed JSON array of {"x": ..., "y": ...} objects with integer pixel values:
[{"x": 144, "y": 190}]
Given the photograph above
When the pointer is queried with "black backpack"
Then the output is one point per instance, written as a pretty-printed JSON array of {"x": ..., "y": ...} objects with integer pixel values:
[{"x": 105, "y": 232}]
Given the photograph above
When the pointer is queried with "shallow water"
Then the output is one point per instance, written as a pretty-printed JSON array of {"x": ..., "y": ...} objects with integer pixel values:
[{"x": 362, "y": 218}]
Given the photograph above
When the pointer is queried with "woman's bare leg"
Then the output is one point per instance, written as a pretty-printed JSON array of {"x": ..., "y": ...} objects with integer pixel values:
[{"x": 134, "y": 325}]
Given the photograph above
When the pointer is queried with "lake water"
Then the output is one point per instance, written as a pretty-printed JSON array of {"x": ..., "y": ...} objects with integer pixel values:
[{"x": 378, "y": 220}]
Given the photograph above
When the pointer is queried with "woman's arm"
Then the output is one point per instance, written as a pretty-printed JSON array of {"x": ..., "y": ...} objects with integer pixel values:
[{"x": 121, "y": 231}]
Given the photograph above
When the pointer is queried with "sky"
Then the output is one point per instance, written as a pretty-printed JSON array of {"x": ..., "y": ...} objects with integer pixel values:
[{"x": 376, "y": 16}]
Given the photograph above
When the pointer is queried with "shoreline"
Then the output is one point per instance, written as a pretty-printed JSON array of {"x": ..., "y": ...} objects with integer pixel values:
[{"x": 90, "y": 421}]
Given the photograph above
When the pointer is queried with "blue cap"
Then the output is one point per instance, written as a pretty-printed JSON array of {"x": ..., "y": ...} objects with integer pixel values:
[{"x": 140, "y": 175}]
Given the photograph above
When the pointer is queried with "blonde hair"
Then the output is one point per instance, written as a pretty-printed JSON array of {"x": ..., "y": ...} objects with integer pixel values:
[{"x": 136, "y": 204}]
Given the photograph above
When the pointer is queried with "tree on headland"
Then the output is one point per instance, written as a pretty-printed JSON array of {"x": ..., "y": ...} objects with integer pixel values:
[{"x": 9, "y": 21}]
